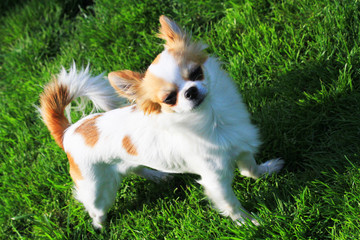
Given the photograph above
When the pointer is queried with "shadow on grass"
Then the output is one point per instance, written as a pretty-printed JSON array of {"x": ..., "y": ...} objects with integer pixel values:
[
  {"x": 8, "y": 5},
  {"x": 70, "y": 7},
  {"x": 309, "y": 118},
  {"x": 136, "y": 193},
  {"x": 147, "y": 192}
]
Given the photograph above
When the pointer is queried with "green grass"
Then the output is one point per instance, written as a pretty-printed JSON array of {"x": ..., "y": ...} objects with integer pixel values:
[{"x": 297, "y": 64}]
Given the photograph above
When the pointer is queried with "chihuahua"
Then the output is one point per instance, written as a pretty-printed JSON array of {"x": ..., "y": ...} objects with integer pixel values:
[{"x": 186, "y": 116}]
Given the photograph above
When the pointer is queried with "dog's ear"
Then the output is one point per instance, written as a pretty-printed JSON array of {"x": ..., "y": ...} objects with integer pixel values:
[
  {"x": 170, "y": 32},
  {"x": 126, "y": 83}
]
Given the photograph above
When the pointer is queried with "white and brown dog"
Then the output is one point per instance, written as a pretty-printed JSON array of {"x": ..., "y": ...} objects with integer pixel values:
[{"x": 187, "y": 117}]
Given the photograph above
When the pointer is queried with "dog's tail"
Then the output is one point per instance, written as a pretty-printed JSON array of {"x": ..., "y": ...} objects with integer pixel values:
[{"x": 68, "y": 86}]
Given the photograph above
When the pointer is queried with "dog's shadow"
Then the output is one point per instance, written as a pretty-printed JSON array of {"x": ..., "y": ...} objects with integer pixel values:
[
  {"x": 137, "y": 193},
  {"x": 309, "y": 118}
]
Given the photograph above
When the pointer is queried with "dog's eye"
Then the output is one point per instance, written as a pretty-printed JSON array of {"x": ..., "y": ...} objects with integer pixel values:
[
  {"x": 196, "y": 74},
  {"x": 171, "y": 98}
]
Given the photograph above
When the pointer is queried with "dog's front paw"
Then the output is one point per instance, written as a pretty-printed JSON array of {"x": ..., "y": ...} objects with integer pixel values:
[
  {"x": 98, "y": 220},
  {"x": 97, "y": 225},
  {"x": 246, "y": 221}
]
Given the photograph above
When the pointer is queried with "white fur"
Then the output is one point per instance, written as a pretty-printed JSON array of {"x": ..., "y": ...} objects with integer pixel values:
[
  {"x": 168, "y": 63},
  {"x": 82, "y": 85},
  {"x": 210, "y": 141}
]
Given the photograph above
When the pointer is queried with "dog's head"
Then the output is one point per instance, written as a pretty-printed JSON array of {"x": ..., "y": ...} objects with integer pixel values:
[{"x": 174, "y": 82}]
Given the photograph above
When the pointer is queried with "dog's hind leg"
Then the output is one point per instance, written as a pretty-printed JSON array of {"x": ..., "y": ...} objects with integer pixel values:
[
  {"x": 249, "y": 168},
  {"x": 97, "y": 190}
]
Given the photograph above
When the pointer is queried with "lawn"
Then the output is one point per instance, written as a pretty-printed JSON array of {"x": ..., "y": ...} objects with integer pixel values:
[{"x": 296, "y": 63}]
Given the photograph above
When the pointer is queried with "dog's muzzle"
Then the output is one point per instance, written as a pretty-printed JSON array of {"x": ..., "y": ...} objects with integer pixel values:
[{"x": 195, "y": 96}]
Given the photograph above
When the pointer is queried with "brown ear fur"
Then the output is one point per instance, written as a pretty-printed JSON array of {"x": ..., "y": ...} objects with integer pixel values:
[
  {"x": 126, "y": 83},
  {"x": 179, "y": 44},
  {"x": 171, "y": 32}
]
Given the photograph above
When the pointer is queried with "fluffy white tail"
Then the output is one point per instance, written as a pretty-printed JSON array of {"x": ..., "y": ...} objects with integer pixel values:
[
  {"x": 95, "y": 88},
  {"x": 69, "y": 86}
]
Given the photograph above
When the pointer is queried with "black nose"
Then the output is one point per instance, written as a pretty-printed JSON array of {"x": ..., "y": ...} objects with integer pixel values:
[{"x": 192, "y": 93}]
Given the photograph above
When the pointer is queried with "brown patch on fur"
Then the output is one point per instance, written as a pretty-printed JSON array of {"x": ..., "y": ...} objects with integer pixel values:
[
  {"x": 89, "y": 131},
  {"x": 129, "y": 146},
  {"x": 150, "y": 107},
  {"x": 75, "y": 172},
  {"x": 191, "y": 53},
  {"x": 53, "y": 101},
  {"x": 152, "y": 92}
]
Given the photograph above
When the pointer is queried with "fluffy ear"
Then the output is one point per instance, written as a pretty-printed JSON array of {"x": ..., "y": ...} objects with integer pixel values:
[
  {"x": 126, "y": 83},
  {"x": 170, "y": 32}
]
